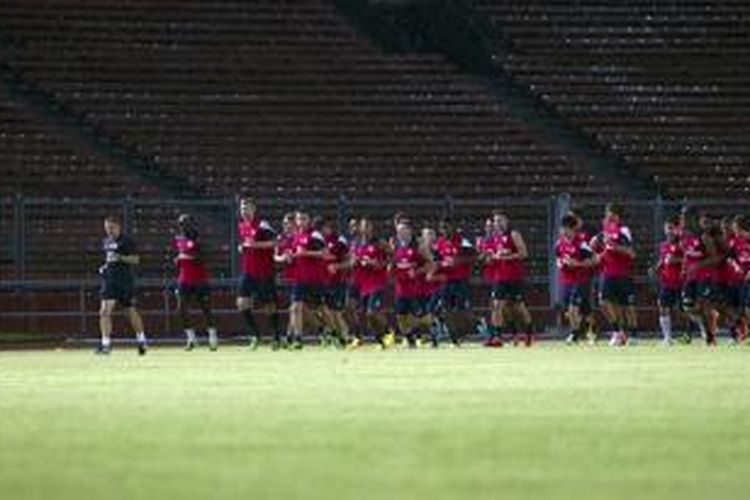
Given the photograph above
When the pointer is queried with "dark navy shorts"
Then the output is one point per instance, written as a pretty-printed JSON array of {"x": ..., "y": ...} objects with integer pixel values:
[
  {"x": 454, "y": 296},
  {"x": 121, "y": 291},
  {"x": 334, "y": 297},
  {"x": 306, "y": 292},
  {"x": 618, "y": 291},
  {"x": 510, "y": 291},
  {"x": 190, "y": 291},
  {"x": 372, "y": 302},
  {"x": 698, "y": 290},
  {"x": 669, "y": 297},
  {"x": 577, "y": 296},
  {"x": 410, "y": 306},
  {"x": 262, "y": 290}
]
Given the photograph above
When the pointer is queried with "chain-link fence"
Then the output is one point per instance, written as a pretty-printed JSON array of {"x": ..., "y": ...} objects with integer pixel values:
[{"x": 50, "y": 248}]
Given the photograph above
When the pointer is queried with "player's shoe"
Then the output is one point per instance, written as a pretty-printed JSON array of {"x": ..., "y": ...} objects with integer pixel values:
[
  {"x": 253, "y": 342},
  {"x": 190, "y": 345},
  {"x": 528, "y": 340},
  {"x": 571, "y": 339},
  {"x": 142, "y": 348},
  {"x": 296, "y": 344},
  {"x": 354, "y": 343},
  {"x": 389, "y": 339},
  {"x": 494, "y": 341},
  {"x": 102, "y": 350}
]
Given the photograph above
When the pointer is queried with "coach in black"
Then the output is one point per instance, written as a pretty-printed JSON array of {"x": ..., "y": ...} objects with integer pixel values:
[{"x": 118, "y": 284}]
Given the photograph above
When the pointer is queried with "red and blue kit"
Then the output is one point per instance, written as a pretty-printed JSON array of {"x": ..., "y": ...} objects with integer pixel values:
[
  {"x": 308, "y": 269},
  {"x": 408, "y": 270},
  {"x": 616, "y": 266},
  {"x": 370, "y": 274},
  {"x": 455, "y": 260},
  {"x": 192, "y": 274},
  {"x": 285, "y": 248},
  {"x": 671, "y": 276},
  {"x": 732, "y": 276},
  {"x": 336, "y": 254},
  {"x": 258, "y": 271},
  {"x": 740, "y": 247},
  {"x": 575, "y": 281},
  {"x": 509, "y": 274},
  {"x": 700, "y": 279}
]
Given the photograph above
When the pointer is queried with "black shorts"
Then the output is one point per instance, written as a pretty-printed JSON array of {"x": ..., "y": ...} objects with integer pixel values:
[
  {"x": 261, "y": 290},
  {"x": 698, "y": 290},
  {"x": 618, "y": 291},
  {"x": 669, "y": 297},
  {"x": 372, "y": 302},
  {"x": 190, "y": 291},
  {"x": 121, "y": 291},
  {"x": 732, "y": 295},
  {"x": 454, "y": 296},
  {"x": 577, "y": 296},
  {"x": 745, "y": 295},
  {"x": 334, "y": 297},
  {"x": 511, "y": 291},
  {"x": 410, "y": 306},
  {"x": 352, "y": 293},
  {"x": 306, "y": 292}
]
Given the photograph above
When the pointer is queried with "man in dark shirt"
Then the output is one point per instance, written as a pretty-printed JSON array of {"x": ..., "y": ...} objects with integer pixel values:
[{"x": 118, "y": 284}]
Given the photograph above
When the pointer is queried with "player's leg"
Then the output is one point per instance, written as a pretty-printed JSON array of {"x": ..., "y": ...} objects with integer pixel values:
[
  {"x": 203, "y": 298},
  {"x": 106, "y": 309},
  {"x": 183, "y": 294},
  {"x": 247, "y": 290},
  {"x": 523, "y": 313},
  {"x": 630, "y": 314},
  {"x": 666, "y": 303},
  {"x": 136, "y": 322}
]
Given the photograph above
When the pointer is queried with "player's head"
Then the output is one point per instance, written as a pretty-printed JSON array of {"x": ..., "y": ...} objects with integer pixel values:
[
  {"x": 247, "y": 207},
  {"x": 569, "y": 225},
  {"x": 112, "y": 226},
  {"x": 186, "y": 223},
  {"x": 740, "y": 224},
  {"x": 578, "y": 218},
  {"x": 288, "y": 223},
  {"x": 726, "y": 225},
  {"x": 302, "y": 221},
  {"x": 613, "y": 212},
  {"x": 327, "y": 226},
  {"x": 489, "y": 226},
  {"x": 400, "y": 217},
  {"x": 428, "y": 237},
  {"x": 446, "y": 227},
  {"x": 672, "y": 227},
  {"x": 705, "y": 221},
  {"x": 500, "y": 221},
  {"x": 366, "y": 228},
  {"x": 404, "y": 233}
]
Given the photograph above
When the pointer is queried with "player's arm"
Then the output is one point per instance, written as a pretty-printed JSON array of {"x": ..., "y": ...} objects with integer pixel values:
[
  {"x": 713, "y": 258},
  {"x": 521, "y": 252}
]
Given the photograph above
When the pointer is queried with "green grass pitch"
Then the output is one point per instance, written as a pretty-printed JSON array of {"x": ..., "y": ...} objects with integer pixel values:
[{"x": 546, "y": 423}]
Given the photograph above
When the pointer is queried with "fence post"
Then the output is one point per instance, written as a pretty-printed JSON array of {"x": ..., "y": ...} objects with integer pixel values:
[
  {"x": 658, "y": 221},
  {"x": 234, "y": 208},
  {"x": 560, "y": 206},
  {"x": 19, "y": 231},
  {"x": 127, "y": 214}
]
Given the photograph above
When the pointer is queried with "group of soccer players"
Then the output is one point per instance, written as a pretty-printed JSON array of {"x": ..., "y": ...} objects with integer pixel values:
[{"x": 334, "y": 284}]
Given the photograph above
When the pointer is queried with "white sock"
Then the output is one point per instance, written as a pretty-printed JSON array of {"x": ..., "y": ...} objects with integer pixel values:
[
  {"x": 666, "y": 326},
  {"x": 212, "y": 333},
  {"x": 141, "y": 337},
  {"x": 106, "y": 341},
  {"x": 190, "y": 334}
]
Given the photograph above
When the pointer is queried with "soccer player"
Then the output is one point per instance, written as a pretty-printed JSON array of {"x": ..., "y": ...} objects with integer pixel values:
[
  {"x": 485, "y": 249},
  {"x": 669, "y": 270},
  {"x": 432, "y": 284},
  {"x": 118, "y": 284},
  {"x": 370, "y": 275},
  {"x": 257, "y": 286},
  {"x": 307, "y": 258},
  {"x": 731, "y": 279},
  {"x": 575, "y": 259},
  {"x": 510, "y": 254},
  {"x": 336, "y": 262},
  {"x": 192, "y": 282},
  {"x": 456, "y": 259},
  {"x": 614, "y": 245},
  {"x": 283, "y": 257},
  {"x": 741, "y": 259},
  {"x": 409, "y": 267},
  {"x": 701, "y": 267}
]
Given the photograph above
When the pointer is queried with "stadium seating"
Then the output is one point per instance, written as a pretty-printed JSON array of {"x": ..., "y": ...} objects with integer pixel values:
[{"x": 662, "y": 84}]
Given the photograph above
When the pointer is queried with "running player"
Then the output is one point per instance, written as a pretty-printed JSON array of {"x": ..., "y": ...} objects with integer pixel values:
[
  {"x": 485, "y": 249},
  {"x": 409, "y": 268},
  {"x": 731, "y": 280},
  {"x": 575, "y": 260},
  {"x": 192, "y": 282},
  {"x": 283, "y": 257},
  {"x": 336, "y": 262},
  {"x": 371, "y": 278},
  {"x": 434, "y": 280},
  {"x": 701, "y": 266},
  {"x": 456, "y": 259},
  {"x": 614, "y": 245},
  {"x": 257, "y": 287},
  {"x": 510, "y": 254},
  {"x": 669, "y": 270},
  {"x": 741, "y": 259},
  {"x": 118, "y": 284},
  {"x": 307, "y": 258}
]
